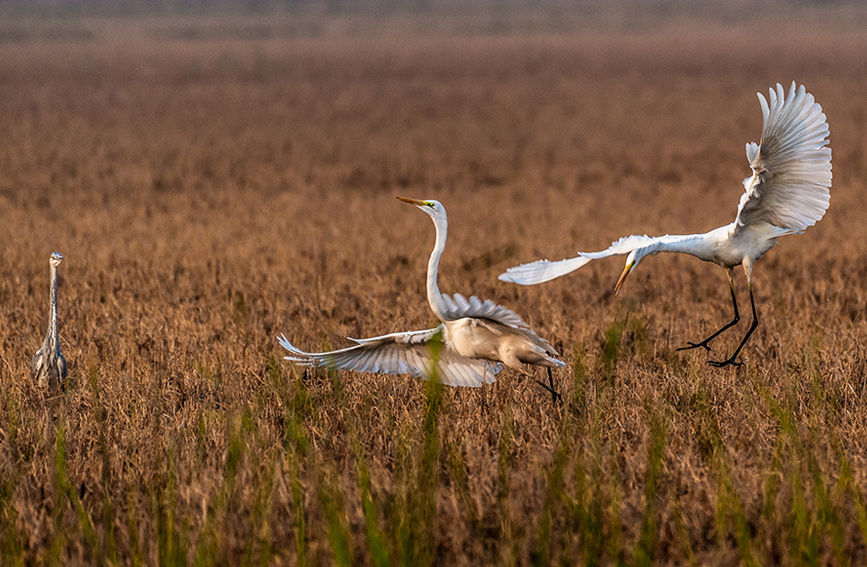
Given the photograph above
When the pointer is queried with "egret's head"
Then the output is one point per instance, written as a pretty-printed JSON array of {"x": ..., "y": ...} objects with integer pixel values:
[
  {"x": 55, "y": 259},
  {"x": 632, "y": 260},
  {"x": 434, "y": 208}
]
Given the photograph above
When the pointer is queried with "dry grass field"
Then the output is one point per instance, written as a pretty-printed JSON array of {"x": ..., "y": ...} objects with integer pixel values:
[{"x": 212, "y": 189}]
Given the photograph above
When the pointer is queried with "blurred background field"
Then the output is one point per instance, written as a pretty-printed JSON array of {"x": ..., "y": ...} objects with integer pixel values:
[{"x": 216, "y": 174}]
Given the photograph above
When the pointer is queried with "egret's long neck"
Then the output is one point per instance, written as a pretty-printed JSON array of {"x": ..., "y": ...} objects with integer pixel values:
[
  {"x": 434, "y": 297},
  {"x": 699, "y": 245},
  {"x": 52, "y": 315}
]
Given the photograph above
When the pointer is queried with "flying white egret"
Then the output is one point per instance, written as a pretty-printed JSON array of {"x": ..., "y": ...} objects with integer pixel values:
[
  {"x": 787, "y": 192},
  {"x": 48, "y": 365},
  {"x": 476, "y": 336}
]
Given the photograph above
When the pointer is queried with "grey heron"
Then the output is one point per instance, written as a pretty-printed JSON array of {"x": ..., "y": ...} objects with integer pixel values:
[{"x": 48, "y": 365}]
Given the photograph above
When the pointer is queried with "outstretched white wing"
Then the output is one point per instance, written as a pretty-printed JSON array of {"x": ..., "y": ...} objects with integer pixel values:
[
  {"x": 541, "y": 271},
  {"x": 791, "y": 167},
  {"x": 459, "y": 307},
  {"x": 401, "y": 353},
  {"x": 545, "y": 270}
]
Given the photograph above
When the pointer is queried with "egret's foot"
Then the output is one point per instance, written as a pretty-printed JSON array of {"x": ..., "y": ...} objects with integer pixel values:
[
  {"x": 691, "y": 345},
  {"x": 723, "y": 363},
  {"x": 555, "y": 395}
]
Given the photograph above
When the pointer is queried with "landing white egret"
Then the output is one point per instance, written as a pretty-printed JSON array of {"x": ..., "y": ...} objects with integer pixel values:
[
  {"x": 787, "y": 192},
  {"x": 477, "y": 336}
]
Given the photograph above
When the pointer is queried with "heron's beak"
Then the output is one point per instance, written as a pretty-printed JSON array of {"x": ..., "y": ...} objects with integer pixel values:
[
  {"x": 622, "y": 279},
  {"x": 416, "y": 202}
]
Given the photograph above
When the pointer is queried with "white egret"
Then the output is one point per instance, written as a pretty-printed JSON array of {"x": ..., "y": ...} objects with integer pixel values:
[
  {"x": 476, "y": 335},
  {"x": 787, "y": 192},
  {"x": 48, "y": 365}
]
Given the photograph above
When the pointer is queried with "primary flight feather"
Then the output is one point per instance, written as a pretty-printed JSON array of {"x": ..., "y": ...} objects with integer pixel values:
[{"x": 787, "y": 192}]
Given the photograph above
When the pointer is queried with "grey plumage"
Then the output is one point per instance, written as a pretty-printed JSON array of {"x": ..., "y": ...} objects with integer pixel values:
[{"x": 48, "y": 365}]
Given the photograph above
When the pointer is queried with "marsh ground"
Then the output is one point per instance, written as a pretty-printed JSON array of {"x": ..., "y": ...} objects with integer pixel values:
[{"x": 212, "y": 186}]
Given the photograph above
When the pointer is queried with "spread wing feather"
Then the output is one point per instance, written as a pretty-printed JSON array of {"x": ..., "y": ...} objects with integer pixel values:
[
  {"x": 460, "y": 307},
  {"x": 791, "y": 167},
  {"x": 542, "y": 271},
  {"x": 545, "y": 270},
  {"x": 400, "y": 353}
]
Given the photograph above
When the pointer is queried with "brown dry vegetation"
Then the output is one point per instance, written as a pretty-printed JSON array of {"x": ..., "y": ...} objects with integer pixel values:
[{"x": 210, "y": 194}]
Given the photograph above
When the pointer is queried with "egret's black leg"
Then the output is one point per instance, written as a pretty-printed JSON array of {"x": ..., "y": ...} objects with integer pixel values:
[
  {"x": 704, "y": 344},
  {"x": 732, "y": 360},
  {"x": 555, "y": 395}
]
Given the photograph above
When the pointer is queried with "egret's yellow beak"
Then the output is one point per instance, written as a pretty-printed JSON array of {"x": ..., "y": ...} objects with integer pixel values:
[
  {"x": 416, "y": 202},
  {"x": 622, "y": 279}
]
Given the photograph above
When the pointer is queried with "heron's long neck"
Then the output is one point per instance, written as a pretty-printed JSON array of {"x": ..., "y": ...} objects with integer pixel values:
[
  {"x": 434, "y": 297},
  {"x": 699, "y": 245},
  {"x": 52, "y": 316}
]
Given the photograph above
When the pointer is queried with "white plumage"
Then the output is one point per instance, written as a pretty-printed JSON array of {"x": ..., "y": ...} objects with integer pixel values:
[
  {"x": 471, "y": 345},
  {"x": 400, "y": 353},
  {"x": 787, "y": 192},
  {"x": 791, "y": 177}
]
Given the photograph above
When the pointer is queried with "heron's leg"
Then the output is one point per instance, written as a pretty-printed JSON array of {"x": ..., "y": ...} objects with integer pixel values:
[
  {"x": 732, "y": 360},
  {"x": 555, "y": 395},
  {"x": 705, "y": 343}
]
